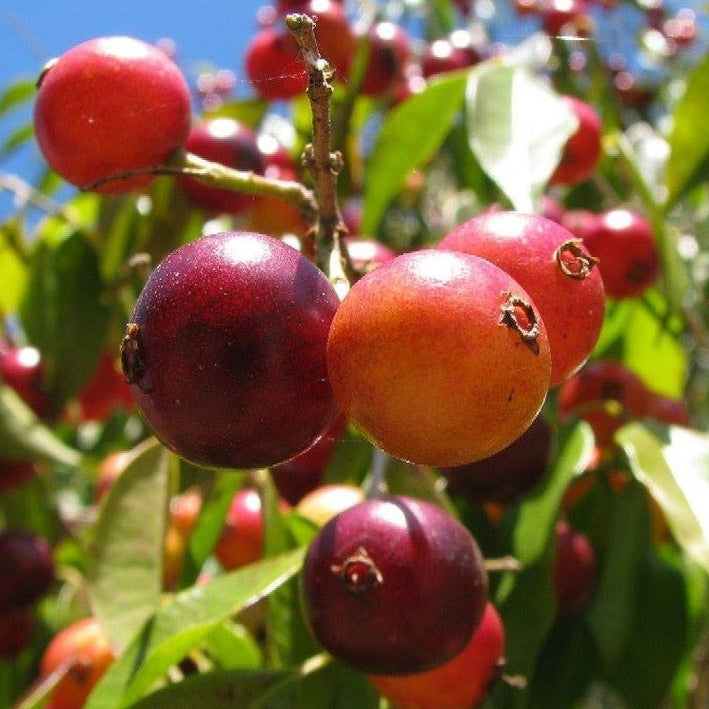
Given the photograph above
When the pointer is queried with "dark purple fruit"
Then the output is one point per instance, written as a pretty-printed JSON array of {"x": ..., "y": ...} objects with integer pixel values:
[
  {"x": 26, "y": 568},
  {"x": 505, "y": 476},
  {"x": 17, "y": 626},
  {"x": 225, "y": 352},
  {"x": 393, "y": 586}
]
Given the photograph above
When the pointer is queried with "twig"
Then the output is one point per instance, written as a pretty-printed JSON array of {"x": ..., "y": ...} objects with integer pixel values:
[
  {"x": 26, "y": 194},
  {"x": 504, "y": 563},
  {"x": 324, "y": 165}
]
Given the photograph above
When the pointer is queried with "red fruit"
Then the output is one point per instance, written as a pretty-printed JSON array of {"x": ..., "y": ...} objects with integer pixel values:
[
  {"x": 460, "y": 683},
  {"x": 105, "y": 392},
  {"x": 225, "y": 353},
  {"x": 334, "y": 33},
  {"x": 509, "y": 474},
  {"x": 85, "y": 645},
  {"x": 109, "y": 469},
  {"x": 565, "y": 16},
  {"x": 629, "y": 261},
  {"x": 17, "y": 626},
  {"x": 323, "y": 503},
  {"x": 439, "y": 358},
  {"x": 22, "y": 369},
  {"x": 606, "y": 394},
  {"x": 583, "y": 148},
  {"x": 26, "y": 568},
  {"x": 389, "y": 50},
  {"x": 286, "y": 6},
  {"x": 367, "y": 254},
  {"x": 369, "y": 566},
  {"x": 274, "y": 65},
  {"x": 668, "y": 410},
  {"x": 553, "y": 267},
  {"x": 241, "y": 541},
  {"x": 442, "y": 55},
  {"x": 14, "y": 473},
  {"x": 230, "y": 143},
  {"x": 109, "y": 105},
  {"x": 574, "y": 571},
  {"x": 184, "y": 510}
]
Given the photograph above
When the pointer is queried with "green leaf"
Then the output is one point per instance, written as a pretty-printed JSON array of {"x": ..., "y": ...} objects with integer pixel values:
[
  {"x": 185, "y": 621},
  {"x": 232, "y": 647},
  {"x": 24, "y": 437},
  {"x": 16, "y": 94},
  {"x": 610, "y": 615},
  {"x": 674, "y": 466},
  {"x": 538, "y": 512},
  {"x": 411, "y": 134},
  {"x": 688, "y": 163},
  {"x": 517, "y": 128},
  {"x": 17, "y": 138},
  {"x": 125, "y": 579},
  {"x": 63, "y": 312},
  {"x": 12, "y": 267}
]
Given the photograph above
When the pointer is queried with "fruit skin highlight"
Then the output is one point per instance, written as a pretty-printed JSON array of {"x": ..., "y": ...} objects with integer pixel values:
[
  {"x": 225, "y": 352},
  {"x": 110, "y": 105},
  {"x": 393, "y": 586},
  {"x": 422, "y": 361}
]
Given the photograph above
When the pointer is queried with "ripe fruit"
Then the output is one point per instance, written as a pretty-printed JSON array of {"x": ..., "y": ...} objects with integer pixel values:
[
  {"x": 323, "y": 503},
  {"x": 565, "y": 17},
  {"x": 460, "y": 683},
  {"x": 555, "y": 269},
  {"x": 105, "y": 392},
  {"x": 230, "y": 143},
  {"x": 389, "y": 50},
  {"x": 109, "y": 105},
  {"x": 22, "y": 369},
  {"x": 509, "y": 474},
  {"x": 583, "y": 148},
  {"x": 371, "y": 565},
  {"x": 443, "y": 55},
  {"x": 17, "y": 625},
  {"x": 574, "y": 570},
  {"x": 367, "y": 254},
  {"x": 439, "y": 358},
  {"x": 85, "y": 644},
  {"x": 14, "y": 473},
  {"x": 623, "y": 242},
  {"x": 274, "y": 65},
  {"x": 184, "y": 511},
  {"x": 225, "y": 353},
  {"x": 109, "y": 469},
  {"x": 26, "y": 568},
  {"x": 668, "y": 410},
  {"x": 241, "y": 541}
]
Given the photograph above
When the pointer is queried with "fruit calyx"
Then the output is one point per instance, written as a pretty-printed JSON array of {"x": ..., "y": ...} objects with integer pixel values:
[
  {"x": 358, "y": 572},
  {"x": 573, "y": 260},
  {"x": 131, "y": 360},
  {"x": 519, "y": 315}
]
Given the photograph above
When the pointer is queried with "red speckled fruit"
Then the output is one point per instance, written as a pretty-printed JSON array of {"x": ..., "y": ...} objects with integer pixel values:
[
  {"x": 229, "y": 143},
  {"x": 582, "y": 149},
  {"x": 393, "y": 586},
  {"x": 439, "y": 357},
  {"x": 274, "y": 65},
  {"x": 109, "y": 105},
  {"x": 26, "y": 568},
  {"x": 574, "y": 572},
  {"x": 225, "y": 352},
  {"x": 554, "y": 267},
  {"x": 460, "y": 683}
]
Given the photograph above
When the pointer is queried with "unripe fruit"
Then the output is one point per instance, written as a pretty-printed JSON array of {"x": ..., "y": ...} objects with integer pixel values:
[
  {"x": 439, "y": 358},
  {"x": 460, "y": 683},
  {"x": 505, "y": 476},
  {"x": 583, "y": 148},
  {"x": 230, "y": 143},
  {"x": 574, "y": 570},
  {"x": 554, "y": 267},
  {"x": 110, "y": 105},
  {"x": 26, "y": 568},
  {"x": 108, "y": 471},
  {"x": 323, "y": 503},
  {"x": 85, "y": 644},
  {"x": 225, "y": 352},
  {"x": 371, "y": 565}
]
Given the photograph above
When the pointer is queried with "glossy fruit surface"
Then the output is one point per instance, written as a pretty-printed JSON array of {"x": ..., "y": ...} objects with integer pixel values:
[
  {"x": 228, "y": 142},
  {"x": 624, "y": 244},
  {"x": 323, "y": 503},
  {"x": 460, "y": 683},
  {"x": 105, "y": 392},
  {"x": 574, "y": 569},
  {"x": 507, "y": 475},
  {"x": 84, "y": 643},
  {"x": 439, "y": 358},
  {"x": 26, "y": 568},
  {"x": 274, "y": 65},
  {"x": 17, "y": 625},
  {"x": 22, "y": 369},
  {"x": 226, "y": 351},
  {"x": 583, "y": 148},
  {"x": 367, "y": 254},
  {"x": 389, "y": 50},
  {"x": 109, "y": 105},
  {"x": 553, "y": 267},
  {"x": 369, "y": 566},
  {"x": 442, "y": 55}
]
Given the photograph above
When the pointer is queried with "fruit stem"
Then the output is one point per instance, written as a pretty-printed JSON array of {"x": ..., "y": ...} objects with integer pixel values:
[{"x": 324, "y": 164}]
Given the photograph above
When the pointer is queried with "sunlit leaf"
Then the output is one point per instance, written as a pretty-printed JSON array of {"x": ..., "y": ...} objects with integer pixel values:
[
  {"x": 183, "y": 622},
  {"x": 675, "y": 469},
  {"x": 688, "y": 163},
  {"x": 16, "y": 94},
  {"x": 517, "y": 128},
  {"x": 16, "y": 139},
  {"x": 12, "y": 267},
  {"x": 409, "y": 137},
  {"x": 125, "y": 580},
  {"x": 233, "y": 647}
]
